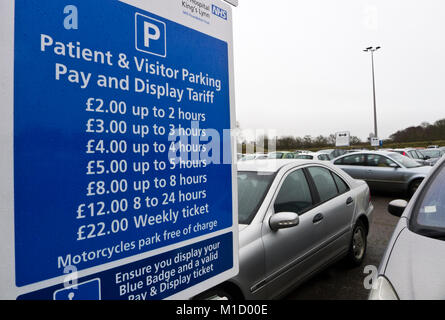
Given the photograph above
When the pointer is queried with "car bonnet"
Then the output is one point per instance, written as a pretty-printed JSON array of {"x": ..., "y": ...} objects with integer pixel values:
[{"x": 416, "y": 267}]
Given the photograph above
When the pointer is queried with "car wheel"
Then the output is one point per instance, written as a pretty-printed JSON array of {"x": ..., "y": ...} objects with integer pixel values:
[
  {"x": 413, "y": 187},
  {"x": 357, "y": 247}
]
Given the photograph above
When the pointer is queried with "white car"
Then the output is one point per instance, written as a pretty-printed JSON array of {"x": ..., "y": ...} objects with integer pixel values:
[
  {"x": 313, "y": 156},
  {"x": 254, "y": 156}
]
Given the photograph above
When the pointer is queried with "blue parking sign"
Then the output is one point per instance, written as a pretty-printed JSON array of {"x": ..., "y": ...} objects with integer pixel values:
[{"x": 120, "y": 112}]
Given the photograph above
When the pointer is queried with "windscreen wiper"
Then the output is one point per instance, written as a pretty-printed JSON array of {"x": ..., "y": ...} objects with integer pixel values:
[{"x": 435, "y": 234}]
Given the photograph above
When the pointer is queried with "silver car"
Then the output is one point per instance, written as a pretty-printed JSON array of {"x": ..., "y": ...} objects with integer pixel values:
[
  {"x": 384, "y": 171},
  {"x": 296, "y": 218},
  {"x": 432, "y": 156},
  {"x": 414, "y": 154},
  {"x": 413, "y": 266}
]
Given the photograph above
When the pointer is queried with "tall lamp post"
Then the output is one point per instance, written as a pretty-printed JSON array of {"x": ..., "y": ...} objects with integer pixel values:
[{"x": 372, "y": 50}]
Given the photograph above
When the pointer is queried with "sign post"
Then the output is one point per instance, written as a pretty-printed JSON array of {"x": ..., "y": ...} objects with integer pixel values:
[
  {"x": 342, "y": 139},
  {"x": 375, "y": 142},
  {"x": 117, "y": 176}
]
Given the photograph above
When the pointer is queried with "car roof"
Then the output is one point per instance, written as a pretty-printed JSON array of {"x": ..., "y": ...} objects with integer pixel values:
[
  {"x": 273, "y": 165},
  {"x": 280, "y": 152},
  {"x": 404, "y": 149},
  {"x": 384, "y": 152}
]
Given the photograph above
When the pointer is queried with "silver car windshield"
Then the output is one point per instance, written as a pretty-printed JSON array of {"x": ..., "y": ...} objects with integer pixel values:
[
  {"x": 252, "y": 188},
  {"x": 429, "y": 213},
  {"x": 433, "y": 153},
  {"x": 404, "y": 161}
]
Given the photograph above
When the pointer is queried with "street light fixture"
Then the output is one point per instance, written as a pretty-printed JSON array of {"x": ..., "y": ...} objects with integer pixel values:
[{"x": 372, "y": 50}]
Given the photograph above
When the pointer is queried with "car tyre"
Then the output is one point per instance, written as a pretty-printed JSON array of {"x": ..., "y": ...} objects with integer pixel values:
[{"x": 357, "y": 247}]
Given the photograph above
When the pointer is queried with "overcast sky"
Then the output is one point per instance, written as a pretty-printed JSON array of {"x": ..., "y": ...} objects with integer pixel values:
[{"x": 300, "y": 67}]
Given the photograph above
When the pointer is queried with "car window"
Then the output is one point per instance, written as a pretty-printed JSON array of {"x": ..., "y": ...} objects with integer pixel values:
[
  {"x": 429, "y": 213},
  {"x": 324, "y": 183},
  {"x": 341, "y": 185},
  {"x": 432, "y": 153},
  {"x": 252, "y": 188},
  {"x": 294, "y": 195},
  {"x": 405, "y": 161},
  {"x": 249, "y": 157},
  {"x": 288, "y": 156},
  {"x": 420, "y": 155},
  {"x": 352, "y": 160},
  {"x": 375, "y": 160},
  {"x": 414, "y": 154},
  {"x": 304, "y": 156},
  {"x": 275, "y": 155}
]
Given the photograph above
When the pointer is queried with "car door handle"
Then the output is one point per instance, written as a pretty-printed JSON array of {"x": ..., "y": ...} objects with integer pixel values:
[
  {"x": 318, "y": 217},
  {"x": 349, "y": 201}
]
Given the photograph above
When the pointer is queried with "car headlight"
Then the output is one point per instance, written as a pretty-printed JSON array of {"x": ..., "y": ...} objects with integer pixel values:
[{"x": 383, "y": 290}]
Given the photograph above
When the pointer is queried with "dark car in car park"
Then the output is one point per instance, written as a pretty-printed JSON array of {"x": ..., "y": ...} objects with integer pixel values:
[{"x": 413, "y": 266}]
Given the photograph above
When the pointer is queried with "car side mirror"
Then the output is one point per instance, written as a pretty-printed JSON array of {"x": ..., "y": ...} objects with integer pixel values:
[
  {"x": 283, "y": 220},
  {"x": 396, "y": 207},
  {"x": 393, "y": 165}
]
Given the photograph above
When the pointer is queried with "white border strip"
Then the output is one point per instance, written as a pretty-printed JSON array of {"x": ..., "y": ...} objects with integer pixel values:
[{"x": 232, "y": 2}]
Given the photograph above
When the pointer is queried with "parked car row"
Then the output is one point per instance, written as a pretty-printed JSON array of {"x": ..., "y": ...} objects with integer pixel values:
[
  {"x": 424, "y": 156},
  {"x": 300, "y": 212},
  {"x": 428, "y": 157},
  {"x": 387, "y": 170},
  {"x": 322, "y": 155}
]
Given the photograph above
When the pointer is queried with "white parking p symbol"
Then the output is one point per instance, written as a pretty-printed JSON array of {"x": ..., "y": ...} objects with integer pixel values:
[
  {"x": 151, "y": 32},
  {"x": 151, "y": 35}
]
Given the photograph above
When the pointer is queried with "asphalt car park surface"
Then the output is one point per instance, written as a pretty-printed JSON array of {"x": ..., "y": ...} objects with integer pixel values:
[{"x": 339, "y": 282}]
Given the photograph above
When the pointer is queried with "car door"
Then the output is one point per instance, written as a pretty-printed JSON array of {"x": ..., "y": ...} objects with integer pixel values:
[
  {"x": 354, "y": 165},
  {"x": 384, "y": 174},
  {"x": 291, "y": 254},
  {"x": 335, "y": 211}
]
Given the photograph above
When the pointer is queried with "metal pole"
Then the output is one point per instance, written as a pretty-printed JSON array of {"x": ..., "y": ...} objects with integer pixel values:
[{"x": 373, "y": 92}]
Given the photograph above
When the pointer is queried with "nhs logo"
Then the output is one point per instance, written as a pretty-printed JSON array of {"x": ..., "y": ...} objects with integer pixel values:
[
  {"x": 151, "y": 35},
  {"x": 217, "y": 11}
]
